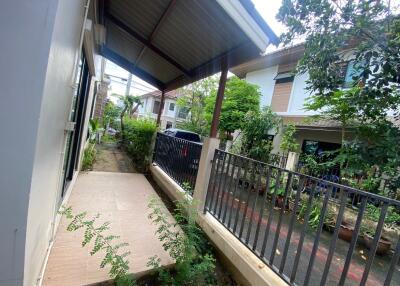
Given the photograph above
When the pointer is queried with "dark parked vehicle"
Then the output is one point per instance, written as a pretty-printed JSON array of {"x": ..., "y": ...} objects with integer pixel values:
[{"x": 183, "y": 134}]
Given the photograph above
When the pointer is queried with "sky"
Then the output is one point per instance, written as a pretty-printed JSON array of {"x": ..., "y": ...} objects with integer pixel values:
[{"x": 267, "y": 9}]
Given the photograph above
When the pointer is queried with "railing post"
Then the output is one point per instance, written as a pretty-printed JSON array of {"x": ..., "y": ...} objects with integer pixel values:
[
  {"x": 292, "y": 160},
  {"x": 204, "y": 171}
]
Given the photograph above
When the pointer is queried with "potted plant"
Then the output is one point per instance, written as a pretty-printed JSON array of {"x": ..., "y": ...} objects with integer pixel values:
[
  {"x": 368, "y": 231},
  {"x": 279, "y": 199},
  {"x": 346, "y": 231}
]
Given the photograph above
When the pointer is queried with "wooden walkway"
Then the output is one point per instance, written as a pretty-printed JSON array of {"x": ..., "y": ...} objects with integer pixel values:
[{"x": 120, "y": 198}]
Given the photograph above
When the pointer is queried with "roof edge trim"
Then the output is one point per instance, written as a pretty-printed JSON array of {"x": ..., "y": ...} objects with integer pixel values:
[{"x": 246, "y": 20}]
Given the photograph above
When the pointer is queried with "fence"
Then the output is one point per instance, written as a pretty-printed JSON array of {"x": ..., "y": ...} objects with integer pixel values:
[
  {"x": 333, "y": 174},
  {"x": 302, "y": 226},
  {"x": 178, "y": 158}
]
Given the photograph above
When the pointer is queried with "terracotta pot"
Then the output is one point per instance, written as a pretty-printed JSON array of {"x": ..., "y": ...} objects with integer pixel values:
[
  {"x": 383, "y": 244},
  {"x": 346, "y": 232}
]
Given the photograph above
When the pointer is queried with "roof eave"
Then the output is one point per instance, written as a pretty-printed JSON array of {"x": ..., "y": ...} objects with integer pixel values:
[{"x": 244, "y": 14}]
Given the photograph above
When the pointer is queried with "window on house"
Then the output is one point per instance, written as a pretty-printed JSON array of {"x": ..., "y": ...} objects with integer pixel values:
[
  {"x": 156, "y": 107},
  {"x": 350, "y": 71},
  {"x": 171, "y": 106},
  {"x": 318, "y": 148},
  {"x": 169, "y": 125},
  {"x": 284, "y": 77},
  {"x": 183, "y": 113}
]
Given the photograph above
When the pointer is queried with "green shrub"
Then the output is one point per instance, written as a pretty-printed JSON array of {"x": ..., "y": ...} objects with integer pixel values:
[
  {"x": 138, "y": 139},
  {"x": 89, "y": 156},
  {"x": 186, "y": 244}
]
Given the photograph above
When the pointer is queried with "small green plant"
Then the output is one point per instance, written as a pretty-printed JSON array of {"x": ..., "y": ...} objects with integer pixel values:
[
  {"x": 102, "y": 242},
  {"x": 288, "y": 142},
  {"x": 94, "y": 128},
  {"x": 108, "y": 139},
  {"x": 89, "y": 156},
  {"x": 316, "y": 213},
  {"x": 392, "y": 218},
  {"x": 186, "y": 244}
]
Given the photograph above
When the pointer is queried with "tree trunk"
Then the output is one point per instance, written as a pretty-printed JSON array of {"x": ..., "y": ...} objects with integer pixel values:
[{"x": 135, "y": 109}]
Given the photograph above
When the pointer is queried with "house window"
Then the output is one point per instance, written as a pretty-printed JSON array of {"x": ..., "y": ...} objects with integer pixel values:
[
  {"x": 284, "y": 77},
  {"x": 171, "y": 106},
  {"x": 282, "y": 91},
  {"x": 351, "y": 72},
  {"x": 183, "y": 113},
  {"x": 169, "y": 125},
  {"x": 156, "y": 107},
  {"x": 318, "y": 148}
]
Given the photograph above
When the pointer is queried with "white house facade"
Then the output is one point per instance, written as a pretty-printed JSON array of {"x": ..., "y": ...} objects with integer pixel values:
[
  {"x": 286, "y": 94},
  {"x": 171, "y": 115}
]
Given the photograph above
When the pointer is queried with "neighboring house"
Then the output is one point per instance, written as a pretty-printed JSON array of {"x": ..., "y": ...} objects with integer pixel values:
[
  {"x": 172, "y": 113},
  {"x": 286, "y": 95}
]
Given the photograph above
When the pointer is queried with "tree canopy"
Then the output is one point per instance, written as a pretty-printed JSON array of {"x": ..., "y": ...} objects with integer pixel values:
[
  {"x": 330, "y": 29},
  {"x": 240, "y": 97},
  {"x": 193, "y": 102},
  {"x": 366, "y": 35}
]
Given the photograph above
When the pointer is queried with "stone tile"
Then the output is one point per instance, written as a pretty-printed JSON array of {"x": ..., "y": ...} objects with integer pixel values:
[{"x": 121, "y": 199}]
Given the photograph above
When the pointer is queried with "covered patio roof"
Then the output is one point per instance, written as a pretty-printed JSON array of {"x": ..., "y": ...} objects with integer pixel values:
[{"x": 170, "y": 43}]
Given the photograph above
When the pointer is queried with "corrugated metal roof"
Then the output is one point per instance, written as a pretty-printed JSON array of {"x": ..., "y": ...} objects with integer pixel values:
[{"x": 170, "y": 43}]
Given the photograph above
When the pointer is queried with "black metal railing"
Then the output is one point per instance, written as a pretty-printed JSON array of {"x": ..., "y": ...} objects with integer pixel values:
[
  {"x": 178, "y": 158},
  {"x": 304, "y": 227}
]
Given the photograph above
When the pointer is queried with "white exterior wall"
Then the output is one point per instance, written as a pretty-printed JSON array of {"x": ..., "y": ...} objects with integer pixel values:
[
  {"x": 56, "y": 105},
  {"x": 26, "y": 29},
  {"x": 299, "y": 96},
  {"x": 265, "y": 80},
  {"x": 36, "y": 68},
  {"x": 146, "y": 111}
]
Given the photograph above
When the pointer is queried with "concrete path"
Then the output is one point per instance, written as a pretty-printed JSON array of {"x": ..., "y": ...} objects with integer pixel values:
[
  {"x": 120, "y": 198},
  {"x": 109, "y": 158}
]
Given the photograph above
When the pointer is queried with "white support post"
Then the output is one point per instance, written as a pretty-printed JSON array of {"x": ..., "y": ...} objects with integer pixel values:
[
  {"x": 204, "y": 172},
  {"x": 292, "y": 160}
]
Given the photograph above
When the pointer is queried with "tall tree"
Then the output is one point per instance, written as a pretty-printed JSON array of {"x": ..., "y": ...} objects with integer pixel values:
[
  {"x": 240, "y": 98},
  {"x": 193, "y": 101},
  {"x": 330, "y": 28},
  {"x": 367, "y": 33}
]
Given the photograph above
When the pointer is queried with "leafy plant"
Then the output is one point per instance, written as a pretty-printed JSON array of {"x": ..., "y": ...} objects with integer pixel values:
[
  {"x": 89, "y": 156},
  {"x": 392, "y": 217},
  {"x": 94, "y": 128},
  {"x": 139, "y": 135},
  {"x": 288, "y": 141},
  {"x": 117, "y": 260},
  {"x": 316, "y": 213},
  {"x": 193, "y": 102},
  {"x": 365, "y": 36},
  {"x": 256, "y": 142},
  {"x": 186, "y": 244},
  {"x": 110, "y": 116},
  {"x": 129, "y": 102},
  {"x": 240, "y": 97}
]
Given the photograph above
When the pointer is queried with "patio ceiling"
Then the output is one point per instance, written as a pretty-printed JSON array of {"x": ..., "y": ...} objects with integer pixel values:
[{"x": 170, "y": 43}]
